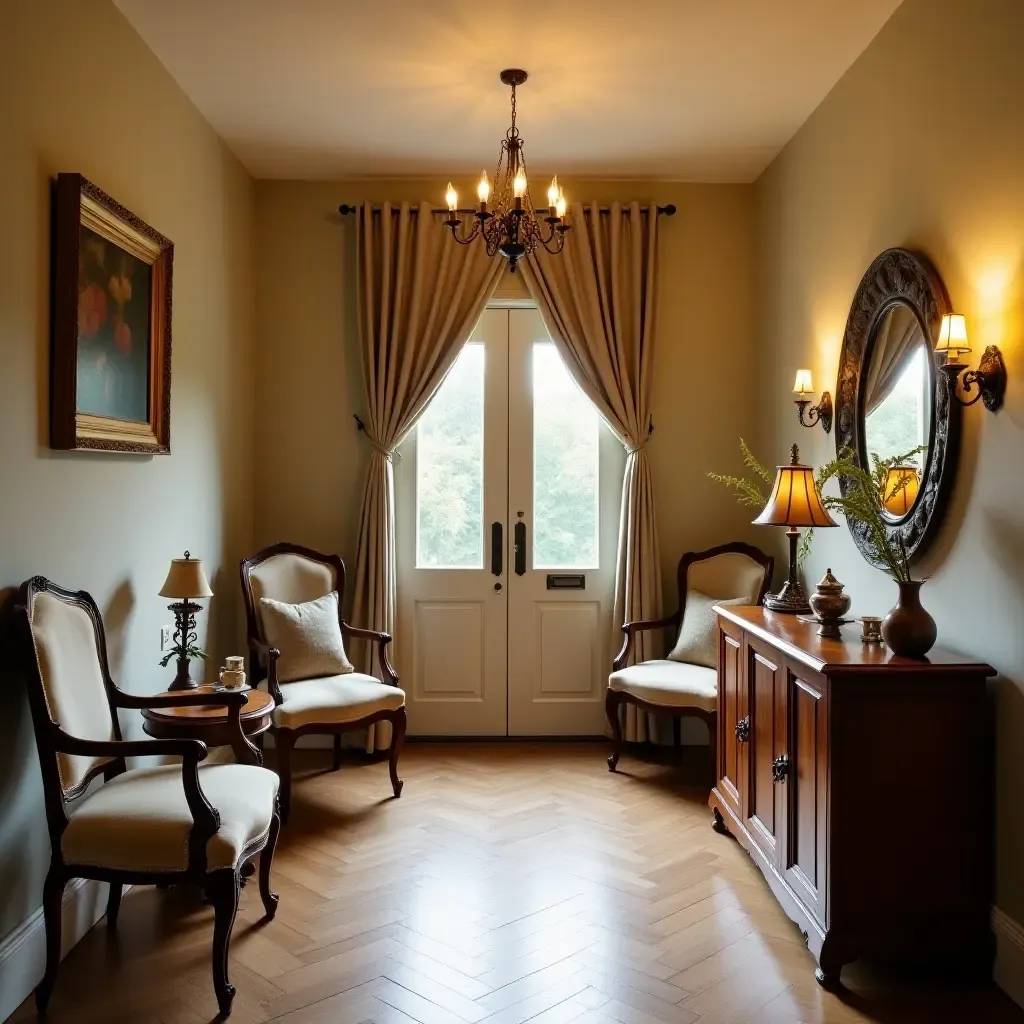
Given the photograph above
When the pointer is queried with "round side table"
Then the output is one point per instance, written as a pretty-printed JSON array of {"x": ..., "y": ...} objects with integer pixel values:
[{"x": 210, "y": 723}]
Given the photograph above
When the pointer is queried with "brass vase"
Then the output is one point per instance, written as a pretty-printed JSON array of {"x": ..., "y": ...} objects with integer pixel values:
[{"x": 908, "y": 629}]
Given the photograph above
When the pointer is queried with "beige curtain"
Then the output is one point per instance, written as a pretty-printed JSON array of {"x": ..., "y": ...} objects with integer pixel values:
[
  {"x": 597, "y": 299},
  {"x": 895, "y": 345},
  {"x": 419, "y": 295}
]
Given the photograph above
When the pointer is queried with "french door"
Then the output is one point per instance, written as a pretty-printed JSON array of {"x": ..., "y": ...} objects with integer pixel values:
[{"x": 506, "y": 523}]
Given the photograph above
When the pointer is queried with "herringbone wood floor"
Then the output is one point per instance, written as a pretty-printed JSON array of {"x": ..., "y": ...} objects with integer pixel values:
[{"x": 510, "y": 883}]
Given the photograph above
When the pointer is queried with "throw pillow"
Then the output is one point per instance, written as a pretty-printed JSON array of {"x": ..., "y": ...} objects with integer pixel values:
[
  {"x": 697, "y": 643},
  {"x": 308, "y": 636}
]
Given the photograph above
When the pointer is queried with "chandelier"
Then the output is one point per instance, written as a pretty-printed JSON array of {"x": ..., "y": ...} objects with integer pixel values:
[{"x": 510, "y": 224}]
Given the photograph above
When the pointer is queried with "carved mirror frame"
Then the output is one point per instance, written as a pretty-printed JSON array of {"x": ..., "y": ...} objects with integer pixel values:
[{"x": 898, "y": 276}]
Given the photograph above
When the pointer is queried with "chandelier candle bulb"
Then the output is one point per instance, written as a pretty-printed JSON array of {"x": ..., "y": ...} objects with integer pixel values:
[
  {"x": 553, "y": 195},
  {"x": 519, "y": 184},
  {"x": 483, "y": 191},
  {"x": 560, "y": 205},
  {"x": 452, "y": 198}
]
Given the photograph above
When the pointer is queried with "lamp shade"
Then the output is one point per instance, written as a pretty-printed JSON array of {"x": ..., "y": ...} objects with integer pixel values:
[
  {"x": 795, "y": 500},
  {"x": 186, "y": 579},
  {"x": 803, "y": 385},
  {"x": 953, "y": 336},
  {"x": 899, "y": 500}
]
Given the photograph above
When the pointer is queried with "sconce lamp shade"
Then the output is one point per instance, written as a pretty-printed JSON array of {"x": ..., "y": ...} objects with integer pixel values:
[
  {"x": 953, "y": 337},
  {"x": 803, "y": 385},
  {"x": 795, "y": 500},
  {"x": 186, "y": 580},
  {"x": 899, "y": 500}
]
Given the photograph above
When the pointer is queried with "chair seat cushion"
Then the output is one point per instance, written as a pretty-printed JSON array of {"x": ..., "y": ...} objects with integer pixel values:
[
  {"x": 335, "y": 699},
  {"x": 140, "y": 821},
  {"x": 672, "y": 684}
]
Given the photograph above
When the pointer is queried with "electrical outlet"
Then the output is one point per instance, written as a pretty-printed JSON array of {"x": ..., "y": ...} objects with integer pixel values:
[{"x": 166, "y": 633}]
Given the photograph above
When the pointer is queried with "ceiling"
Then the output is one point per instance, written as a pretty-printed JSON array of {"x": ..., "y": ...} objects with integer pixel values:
[{"x": 685, "y": 90}]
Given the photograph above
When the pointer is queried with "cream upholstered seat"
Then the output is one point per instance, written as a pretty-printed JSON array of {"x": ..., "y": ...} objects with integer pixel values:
[
  {"x": 333, "y": 699},
  {"x": 140, "y": 820},
  {"x": 170, "y": 823},
  {"x": 669, "y": 684},
  {"x": 686, "y": 682},
  {"x": 291, "y": 575}
]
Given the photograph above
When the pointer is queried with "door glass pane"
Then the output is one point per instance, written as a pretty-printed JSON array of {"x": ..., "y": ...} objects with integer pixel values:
[
  {"x": 565, "y": 458},
  {"x": 450, "y": 469}
]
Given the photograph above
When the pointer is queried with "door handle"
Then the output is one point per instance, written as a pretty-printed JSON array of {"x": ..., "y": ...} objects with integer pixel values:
[
  {"x": 497, "y": 549},
  {"x": 520, "y": 547}
]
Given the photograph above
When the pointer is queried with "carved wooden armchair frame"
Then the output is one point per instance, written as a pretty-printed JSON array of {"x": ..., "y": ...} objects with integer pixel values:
[
  {"x": 614, "y": 699},
  {"x": 221, "y": 885},
  {"x": 263, "y": 665}
]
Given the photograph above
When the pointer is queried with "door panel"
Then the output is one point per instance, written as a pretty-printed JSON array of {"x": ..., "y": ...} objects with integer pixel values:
[
  {"x": 451, "y": 487},
  {"x": 565, "y": 480},
  {"x": 766, "y": 704},
  {"x": 807, "y": 794},
  {"x": 732, "y": 709}
]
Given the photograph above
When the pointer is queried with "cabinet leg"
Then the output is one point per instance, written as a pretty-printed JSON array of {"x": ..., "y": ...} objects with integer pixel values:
[
  {"x": 828, "y": 978},
  {"x": 718, "y": 822},
  {"x": 826, "y": 974}
]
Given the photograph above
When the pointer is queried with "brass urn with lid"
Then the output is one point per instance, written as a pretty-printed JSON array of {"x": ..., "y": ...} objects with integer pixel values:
[{"x": 830, "y": 604}]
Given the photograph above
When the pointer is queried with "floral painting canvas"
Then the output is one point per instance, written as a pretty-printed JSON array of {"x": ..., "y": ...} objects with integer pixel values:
[
  {"x": 113, "y": 330},
  {"x": 111, "y": 360}
]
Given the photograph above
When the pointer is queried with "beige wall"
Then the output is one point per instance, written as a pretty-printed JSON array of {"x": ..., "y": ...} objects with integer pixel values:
[
  {"x": 310, "y": 461},
  {"x": 921, "y": 144},
  {"x": 79, "y": 91}
]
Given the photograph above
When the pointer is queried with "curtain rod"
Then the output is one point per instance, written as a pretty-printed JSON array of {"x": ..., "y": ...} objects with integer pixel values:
[{"x": 346, "y": 208}]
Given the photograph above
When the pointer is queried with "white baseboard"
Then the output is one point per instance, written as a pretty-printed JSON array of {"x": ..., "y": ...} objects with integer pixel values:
[
  {"x": 1009, "y": 969},
  {"x": 23, "y": 952}
]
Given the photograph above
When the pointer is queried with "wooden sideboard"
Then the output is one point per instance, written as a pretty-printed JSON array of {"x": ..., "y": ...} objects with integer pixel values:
[{"x": 860, "y": 783}]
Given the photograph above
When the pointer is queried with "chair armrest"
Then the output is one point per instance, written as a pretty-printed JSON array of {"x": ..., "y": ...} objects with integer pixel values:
[
  {"x": 270, "y": 654},
  {"x": 390, "y": 676},
  {"x": 180, "y": 699},
  {"x": 630, "y": 629},
  {"x": 190, "y": 750}
]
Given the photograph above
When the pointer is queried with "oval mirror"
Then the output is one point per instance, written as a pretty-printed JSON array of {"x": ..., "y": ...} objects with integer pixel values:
[
  {"x": 891, "y": 402},
  {"x": 899, "y": 404}
]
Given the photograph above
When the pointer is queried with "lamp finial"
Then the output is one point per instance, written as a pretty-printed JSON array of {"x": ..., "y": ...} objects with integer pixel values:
[{"x": 794, "y": 456}]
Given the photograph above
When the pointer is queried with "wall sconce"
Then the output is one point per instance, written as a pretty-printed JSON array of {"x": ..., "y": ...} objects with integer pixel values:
[
  {"x": 990, "y": 376},
  {"x": 821, "y": 413}
]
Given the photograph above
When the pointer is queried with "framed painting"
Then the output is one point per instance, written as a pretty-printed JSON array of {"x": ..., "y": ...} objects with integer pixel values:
[{"x": 110, "y": 374}]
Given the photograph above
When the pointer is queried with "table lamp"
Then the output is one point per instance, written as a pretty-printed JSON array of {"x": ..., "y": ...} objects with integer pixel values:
[
  {"x": 794, "y": 502},
  {"x": 899, "y": 492},
  {"x": 185, "y": 581}
]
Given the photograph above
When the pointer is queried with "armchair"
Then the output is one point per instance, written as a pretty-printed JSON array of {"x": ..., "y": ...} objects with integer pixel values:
[
  {"x": 734, "y": 572},
  {"x": 144, "y": 826},
  {"x": 329, "y": 705}
]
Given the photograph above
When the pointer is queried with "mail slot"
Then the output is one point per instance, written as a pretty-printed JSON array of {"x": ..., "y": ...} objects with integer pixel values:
[{"x": 567, "y": 581}]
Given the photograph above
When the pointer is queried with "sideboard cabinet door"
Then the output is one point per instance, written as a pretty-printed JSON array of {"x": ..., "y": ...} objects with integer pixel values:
[
  {"x": 733, "y": 723},
  {"x": 768, "y": 759},
  {"x": 806, "y": 859}
]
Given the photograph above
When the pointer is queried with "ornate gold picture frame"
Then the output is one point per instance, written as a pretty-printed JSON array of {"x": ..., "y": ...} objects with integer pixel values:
[{"x": 110, "y": 375}]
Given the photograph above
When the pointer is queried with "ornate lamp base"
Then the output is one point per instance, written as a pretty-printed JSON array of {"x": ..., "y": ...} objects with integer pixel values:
[
  {"x": 185, "y": 634},
  {"x": 790, "y": 599}
]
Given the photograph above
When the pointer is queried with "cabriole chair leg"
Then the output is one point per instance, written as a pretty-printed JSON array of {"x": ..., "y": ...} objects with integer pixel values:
[
  {"x": 269, "y": 898},
  {"x": 53, "y": 897},
  {"x": 222, "y": 890},
  {"x": 398, "y": 725},
  {"x": 612, "y": 703},
  {"x": 285, "y": 742},
  {"x": 113, "y": 905}
]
